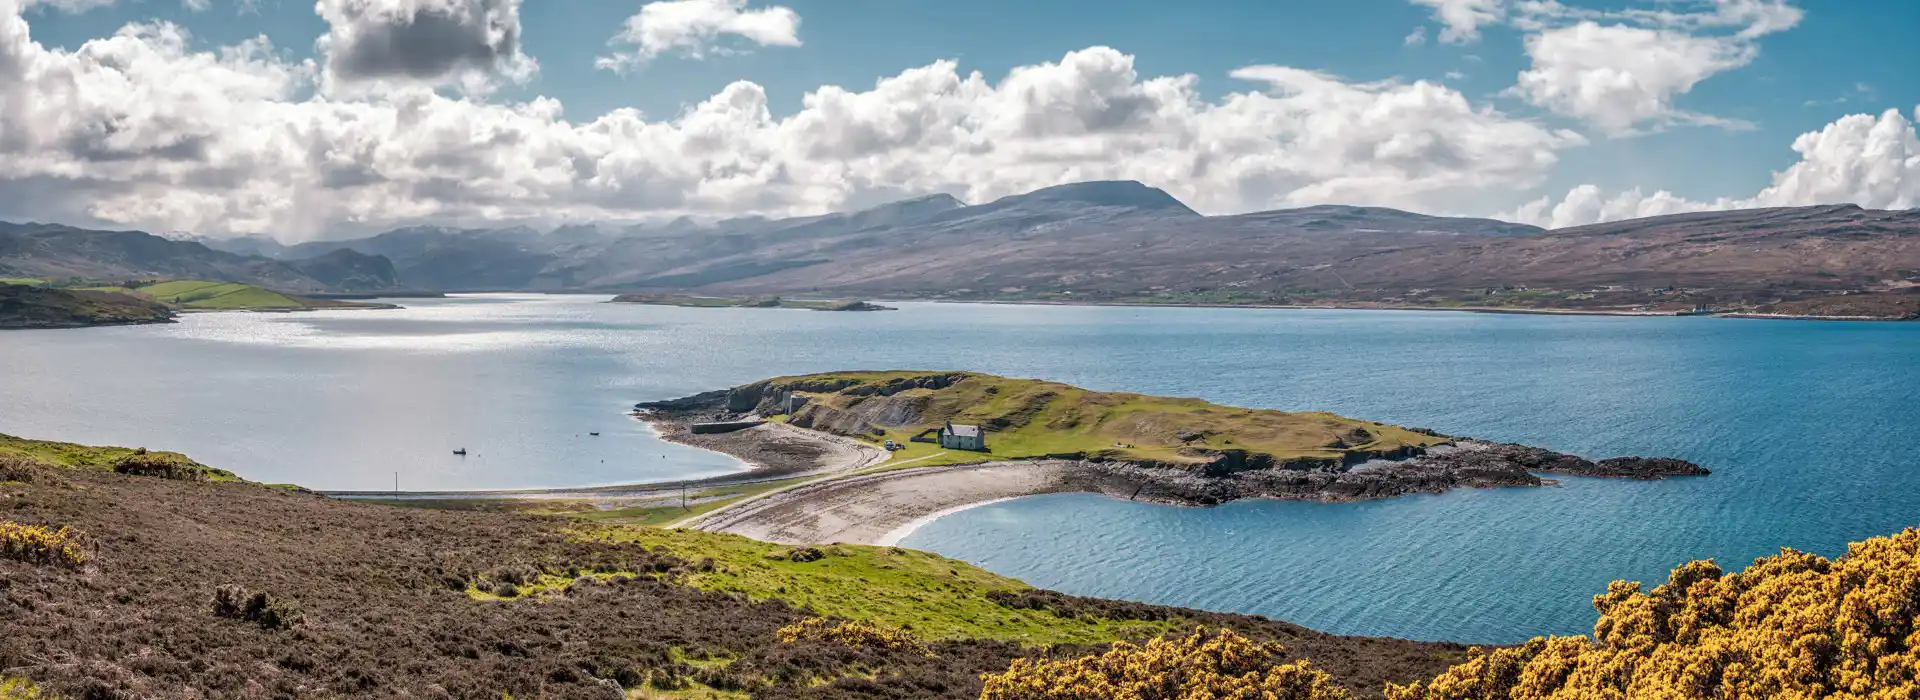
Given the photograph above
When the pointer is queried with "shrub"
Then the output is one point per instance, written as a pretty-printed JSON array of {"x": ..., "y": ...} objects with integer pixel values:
[
  {"x": 19, "y": 467},
  {"x": 859, "y": 635},
  {"x": 40, "y": 544},
  {"x": 1205, "y": 665},
  {"x": 235, "y": 603},
  {"x": 164, "y": 465},
  {"x": 21, "y": 689},
  {"x": 1791, "y": 625}
]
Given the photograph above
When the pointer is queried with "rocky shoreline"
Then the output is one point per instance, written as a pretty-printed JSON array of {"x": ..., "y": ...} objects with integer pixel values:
[{"x": 1464, "y": 464}]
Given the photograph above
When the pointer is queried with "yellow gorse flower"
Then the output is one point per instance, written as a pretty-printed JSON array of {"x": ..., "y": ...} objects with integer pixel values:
[
  {"x": 1204, "y": 665},
  {"x": 1793, "y": 625},
  {"x": 41, "y": 544},
  {"x": 864, "y": 635}
]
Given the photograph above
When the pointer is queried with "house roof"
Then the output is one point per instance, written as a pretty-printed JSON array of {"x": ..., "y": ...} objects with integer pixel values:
[{"x": 964, "y": 430}]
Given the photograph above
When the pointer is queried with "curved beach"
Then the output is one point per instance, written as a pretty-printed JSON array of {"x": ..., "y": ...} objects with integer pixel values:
[{"x": 882, "y": 508}]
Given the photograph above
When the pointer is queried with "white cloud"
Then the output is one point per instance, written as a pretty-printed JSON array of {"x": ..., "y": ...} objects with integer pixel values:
[
  {"x": 1617, "y": 78},
  {"x": 1858, "y": 159},
  {"x": 1416, "y": 37},
  {"x": 196, "y": 5},
  {"x": 695, "y": 28},
  {"x": 141, "y": 130},
  {"x": 391, "y": 43},
  {"x": 1461, "y": 20},
  {"x": 1621, "y": 71}
]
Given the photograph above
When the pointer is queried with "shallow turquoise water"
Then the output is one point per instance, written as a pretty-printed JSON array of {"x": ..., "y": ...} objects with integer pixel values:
[{"x": 1810, "y": 428}]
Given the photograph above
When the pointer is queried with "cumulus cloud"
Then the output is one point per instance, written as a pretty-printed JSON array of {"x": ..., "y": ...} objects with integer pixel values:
[
  {"x": 140, "y": 129},
  {"x": 1617, "y": 78},
  {"x": 471, "y": 43},
  {"x": 1461, "y": 20},
  {"x": 1872, "y": 161},
  {"x": 1621, "y": 71},
  {"x": 695, "y": 28}
]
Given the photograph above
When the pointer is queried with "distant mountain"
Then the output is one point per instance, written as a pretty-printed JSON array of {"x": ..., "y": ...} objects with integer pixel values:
[
  {"x": 348, "y": 270},
  {"x": 1118, "y": 240},
  {"x": 53, "y": 251}
]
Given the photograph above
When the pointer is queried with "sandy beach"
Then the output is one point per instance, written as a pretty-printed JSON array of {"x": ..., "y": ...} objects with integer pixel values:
[{"x": 882, "y": 508}]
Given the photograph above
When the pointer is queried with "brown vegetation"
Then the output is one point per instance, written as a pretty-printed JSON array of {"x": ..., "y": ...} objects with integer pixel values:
[{"x": 387, "y": 607}]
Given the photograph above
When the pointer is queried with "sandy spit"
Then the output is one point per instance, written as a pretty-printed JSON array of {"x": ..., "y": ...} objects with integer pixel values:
[{"x": 883, "y": 508}]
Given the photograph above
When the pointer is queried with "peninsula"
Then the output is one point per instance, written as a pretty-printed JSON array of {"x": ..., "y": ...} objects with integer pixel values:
[
  {"x": 756, "y": 302},
  {"x": 961, "y": 438}
]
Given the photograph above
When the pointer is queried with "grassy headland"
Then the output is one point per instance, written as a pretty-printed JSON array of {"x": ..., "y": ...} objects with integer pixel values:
[
  {"x": 1030, "y": 418},
  {"x": 766, "y": 302},
  {"x": 67, "y": 455},
  {"x": 199, "y": 295}
]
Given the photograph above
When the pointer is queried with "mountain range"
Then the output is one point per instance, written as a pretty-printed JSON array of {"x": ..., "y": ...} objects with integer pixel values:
[{"x": 1094, "y": 240}]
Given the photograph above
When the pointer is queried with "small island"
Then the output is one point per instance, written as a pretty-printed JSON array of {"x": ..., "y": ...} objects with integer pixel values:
[
  {"x": 935, "y": 442},
  {"x": 755, "y": 302}
]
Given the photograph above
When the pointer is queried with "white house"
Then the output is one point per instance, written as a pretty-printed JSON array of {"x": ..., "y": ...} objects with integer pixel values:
[{"x": 963, "y": 437}]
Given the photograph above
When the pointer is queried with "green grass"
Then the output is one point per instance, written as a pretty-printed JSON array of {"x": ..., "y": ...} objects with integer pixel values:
[
  {"x": 194, "y": 294},
  {"x": 71, "y": 456},
  {"x": 1031, "y": 418},
  {"x": 215, "y": 296},
  {"x": 24, "y": 281},
  {"x": 934, "y": 597}
]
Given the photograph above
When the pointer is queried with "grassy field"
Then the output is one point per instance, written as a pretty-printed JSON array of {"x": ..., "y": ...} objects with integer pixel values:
[
  {"x": 71, "y": 456},
  {"x": 193, "y": 294},
  {"x": 24, "y": 281},
  {"x": 932, "y": 596},
  {"x": 1029, "y": 418}
]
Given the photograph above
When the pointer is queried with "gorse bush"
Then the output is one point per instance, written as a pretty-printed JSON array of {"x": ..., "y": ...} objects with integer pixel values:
[
  {"x": 164, "y": 465},
  {"x": 40, "y": 544},
  {"x": 1217, "y": 665},
  {"x": 859, "y": 635},
  {"x": 20, "y": 689},
  {"x": 236, "y": 603},
  {"x": 19, "y": 467},
  {"x": 1792, "y": 625}
]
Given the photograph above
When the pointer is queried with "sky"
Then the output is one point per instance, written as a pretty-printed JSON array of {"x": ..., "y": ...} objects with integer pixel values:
[{"x": 305, "y": 119}]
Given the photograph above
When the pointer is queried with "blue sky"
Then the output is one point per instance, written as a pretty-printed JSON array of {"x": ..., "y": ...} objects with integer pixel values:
[{"x": 1837, "y": 59}]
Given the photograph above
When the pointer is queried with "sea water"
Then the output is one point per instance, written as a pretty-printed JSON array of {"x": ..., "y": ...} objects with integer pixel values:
[{"x": 1810, "y": 429}]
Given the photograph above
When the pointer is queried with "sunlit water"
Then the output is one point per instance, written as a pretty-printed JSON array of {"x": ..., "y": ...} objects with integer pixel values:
[{"x": 1809, "y": 427}]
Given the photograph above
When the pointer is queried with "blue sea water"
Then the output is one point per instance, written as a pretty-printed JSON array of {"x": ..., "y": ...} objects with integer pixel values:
[{"x": 1810, "y": 429}]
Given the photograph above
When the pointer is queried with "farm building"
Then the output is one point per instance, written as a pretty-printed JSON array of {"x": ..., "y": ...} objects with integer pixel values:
[{"x": 963, "y": 437}]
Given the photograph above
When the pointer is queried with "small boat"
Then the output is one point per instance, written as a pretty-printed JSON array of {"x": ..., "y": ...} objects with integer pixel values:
[
  {"x": 594, "y": 434},
  {"x": 462, "y": 451}
]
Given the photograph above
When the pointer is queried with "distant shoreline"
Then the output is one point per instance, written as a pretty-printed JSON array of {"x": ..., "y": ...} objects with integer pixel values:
[{"x": 1462, "y": 309}]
